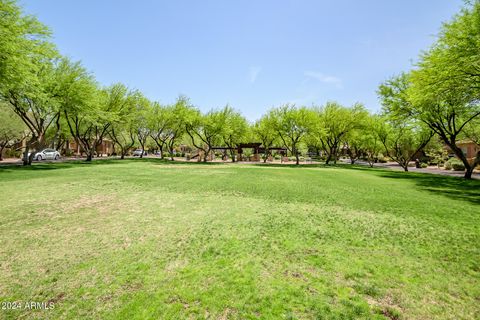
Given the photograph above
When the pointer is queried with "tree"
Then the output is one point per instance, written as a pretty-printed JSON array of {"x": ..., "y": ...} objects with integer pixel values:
[
  {"x": 335, "y": 123},
  {"x": 292, "y": 125},
  {"x": 78, "y": 97},
  {"x": 370, "y": 143},
  {"x": 444, "y": 114},
  {"x": 57, "y": 134},
  {"x": 264, "y": 131},
  {"x": 177, "y": 115},
  {"x": 235, "y": 129},
  {"x": 143, "y": 112},
  {"x": 12, "y": 129},
  {"x": 24, "y": 72},
  {"x": 37, "y": 107},
  {"x": 88, "y": 110},
  {"x": 123, "y": 131},
  {"x": 444, "y": 91},
  {"x": 205, "y": 131},
  {"x": 353, "y": 144},
  {"x": 403, "y": 140},
  {"x": 159, "y": 122}
]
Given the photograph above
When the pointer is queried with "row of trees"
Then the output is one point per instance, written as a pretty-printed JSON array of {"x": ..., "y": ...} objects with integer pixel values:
[
  {"x": 441, "y": 95},
  {"x": 47, "y": 99}
]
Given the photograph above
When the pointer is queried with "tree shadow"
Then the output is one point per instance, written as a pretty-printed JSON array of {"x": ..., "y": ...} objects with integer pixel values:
[
  {"x": 41, "y": 166},
  {"x": 453, "y": 187}
]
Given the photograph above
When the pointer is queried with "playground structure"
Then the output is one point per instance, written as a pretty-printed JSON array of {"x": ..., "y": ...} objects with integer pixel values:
[{"x": 239, "y": 152}]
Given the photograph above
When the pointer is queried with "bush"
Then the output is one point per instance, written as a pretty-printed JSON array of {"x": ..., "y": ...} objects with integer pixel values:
[
  {"x": 12, "y": 153},
  {"x": 381, "y": 159},
  {"x": 423, "y": 165},
  {"x": 277, "y": 157},
  {"x": 436, "y": 162},
  {"x": 458, "y": 166},
  {"x": 448, "y": 165},
  {"x": 302, "y": 158},
  {"x": 454, "y": 164}
]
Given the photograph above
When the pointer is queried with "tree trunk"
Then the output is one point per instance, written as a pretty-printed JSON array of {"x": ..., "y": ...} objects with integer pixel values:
[
  {"x": 297, "y": 159},
  {"x": 89, "y": 157},
  {"x": 25, "y": 156},
  {"x": 469, "y": 171}
]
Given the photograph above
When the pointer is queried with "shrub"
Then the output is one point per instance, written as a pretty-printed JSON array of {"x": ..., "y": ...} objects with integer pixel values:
[
  {"x": 448, "y": 165},
  {"x": 423, "y": 165},
  {"x": 458, "y": 166},
  {"x": 454, "y": 164},
  {"x": 277, "y": 157},
  {"x": 436, "y": 162},
  {"x": 12, "y": 153},
  {"x": 381, "y": 159},
  {"x": 302, "y": 158}
]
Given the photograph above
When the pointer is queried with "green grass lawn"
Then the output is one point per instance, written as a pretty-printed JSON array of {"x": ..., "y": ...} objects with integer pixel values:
[{"x": 139, "y": 239}]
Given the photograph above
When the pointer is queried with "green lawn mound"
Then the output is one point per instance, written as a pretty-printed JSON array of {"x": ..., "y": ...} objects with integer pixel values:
[{"x": 139, "y": 239}]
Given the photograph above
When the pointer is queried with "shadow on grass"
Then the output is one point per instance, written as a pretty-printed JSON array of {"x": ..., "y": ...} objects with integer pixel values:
[
  {"x": 39, "y": 166},
  {"x": 319, "y": 165},
  {"x": 453, "y": 187}
]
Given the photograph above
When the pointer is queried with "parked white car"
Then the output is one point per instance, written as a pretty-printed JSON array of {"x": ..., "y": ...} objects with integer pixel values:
[
  {"x": 46, "y": 154},
  {"x": 138, "y": 153}
]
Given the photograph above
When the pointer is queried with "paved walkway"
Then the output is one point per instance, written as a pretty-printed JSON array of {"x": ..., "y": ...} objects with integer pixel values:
[{"x": 430, "y": 169}]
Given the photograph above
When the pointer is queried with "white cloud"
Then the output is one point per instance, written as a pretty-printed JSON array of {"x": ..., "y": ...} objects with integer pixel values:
[
  {"x": 253, "y": 73},
  {"x": 323, "y": 78}
]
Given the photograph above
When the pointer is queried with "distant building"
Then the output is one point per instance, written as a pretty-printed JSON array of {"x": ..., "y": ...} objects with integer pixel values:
[
  {"x": 469, "y": 148},
  {"x": 106, "y": 148}
]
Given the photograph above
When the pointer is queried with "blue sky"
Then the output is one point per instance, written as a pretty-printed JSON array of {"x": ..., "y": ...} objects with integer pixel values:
[{"x": 252, "y": 55}]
